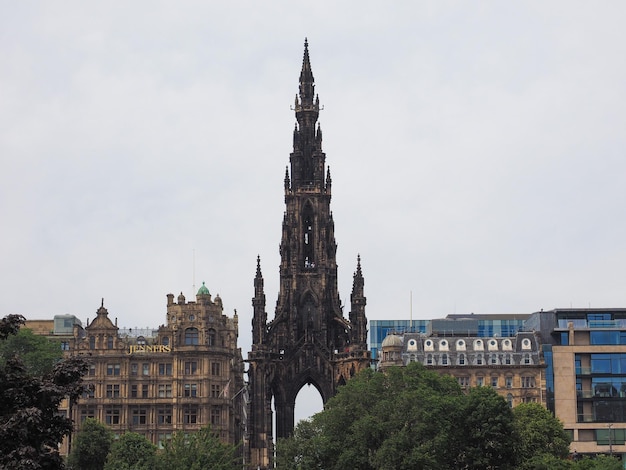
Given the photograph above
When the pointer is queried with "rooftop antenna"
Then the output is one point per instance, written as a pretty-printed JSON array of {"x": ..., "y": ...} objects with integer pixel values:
[
  {"x": 411, "y": 311},
  {"x": 193, "y": 276}
]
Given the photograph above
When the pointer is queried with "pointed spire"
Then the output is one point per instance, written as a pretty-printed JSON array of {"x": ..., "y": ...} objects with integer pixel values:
[
  {"x": 358, "y": 265},
  {"x": 306, "y": 75},
  {"x": 329, "y": 180},
  {"x": 307, "y": 87},
  {"x": 258, "y": 266},
  {"x": 318, "y": 135}
]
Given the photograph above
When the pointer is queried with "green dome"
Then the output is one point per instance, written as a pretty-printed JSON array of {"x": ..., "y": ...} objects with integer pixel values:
[{"x": 203, "y": 290}]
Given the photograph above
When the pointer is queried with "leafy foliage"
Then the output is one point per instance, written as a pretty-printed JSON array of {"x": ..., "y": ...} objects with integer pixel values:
[
  {"x": 540, "y": 432},
  {"x": 91, "y": 446},
  {"x": 198, "y": 451},
  {"x": 406, "y": 418},
  {"x": 37, "y": 353},
  {"x": 131, "y": 451},
  {"x": 30, "y": 427}
]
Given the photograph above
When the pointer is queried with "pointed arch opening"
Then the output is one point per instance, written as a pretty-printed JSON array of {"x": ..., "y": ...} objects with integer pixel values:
[{"x": 308, "y": 402}]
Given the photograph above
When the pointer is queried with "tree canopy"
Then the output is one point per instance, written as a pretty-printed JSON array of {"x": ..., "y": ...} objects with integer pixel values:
[
  {"x": 413, "y": 418},
  {"x": 30, "y": 427},
  {"x": 198, "y": 451},
  {"x": 131, "y": 451},
  {"x": 539, "y": 431},
  {"x": 37, "y": 353},
  {"x": 407, "y": 418},
  {"x": 91, "y": 446}
]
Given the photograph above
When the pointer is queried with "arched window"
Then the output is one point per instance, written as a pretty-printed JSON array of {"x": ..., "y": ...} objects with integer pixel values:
[
  {"x": 527, "y": 359},
  {"x": 191, "y": 336},
  {"x": 493, "y": 359},
  {"x": 461, "y": 359},
  {"x": 507, "y": 359},
  {"x": 479, "y": 359},
  {"x": 509, "y": 399},
  {"x": 165, "y": 341},
  {"x": 92, "y": 342},
  {"x": 109, "y": 342},
  {"x": 429, "y": 360},
  {"x": 211, "y": 336},
  {"x": 412, "y": 358},
  {"x": 141, "y": 340},
  {"x": 444, "y": 359}
]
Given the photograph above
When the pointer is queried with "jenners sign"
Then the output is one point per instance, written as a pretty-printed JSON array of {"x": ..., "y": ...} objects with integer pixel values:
[{"x": 142, "y": 348}]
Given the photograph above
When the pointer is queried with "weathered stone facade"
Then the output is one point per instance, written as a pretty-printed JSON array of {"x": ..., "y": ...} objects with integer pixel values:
[{"x": 309, "y": 341}]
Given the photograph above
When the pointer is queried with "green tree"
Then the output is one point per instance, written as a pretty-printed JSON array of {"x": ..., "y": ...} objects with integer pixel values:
[
  {"x": 201, "y": 450},
  {"x": 546, "y": 462},
  {"x": 407, "y": 418},
  {"x": 486, "y": 431},
  {"x": 131, "y": 451},
  {"x": 301, "y": 451},
  {"x": 601, "y": 462},
  {"x": 30, "y": 426},
  {"x": 91, "y": 446},
  {"x": 539, "y": 432},
  {"x": 37, "y": 353}
]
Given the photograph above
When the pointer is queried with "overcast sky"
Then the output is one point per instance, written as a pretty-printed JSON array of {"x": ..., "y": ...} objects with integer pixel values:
[{"x": 477, "y": 151}]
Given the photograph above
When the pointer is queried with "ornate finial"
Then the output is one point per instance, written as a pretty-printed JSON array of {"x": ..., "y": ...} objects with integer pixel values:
[
  {"x": 102, "y": 303},
  {"x": 258, "y": 265},
  {"x": 286, "y": 177},
  {"x": 329, "y": 180}
]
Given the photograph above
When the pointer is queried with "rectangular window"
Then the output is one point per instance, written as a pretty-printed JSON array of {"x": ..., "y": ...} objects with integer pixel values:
[
  {"x": 216, "y": 369},
  {"x": 163, "y": 438},
  {"x": 65, "y": 345},
  {"x": 165, "y": 390},
  {"x": 164, "y": 415},
  {"x": 92, "y": 370},
  {"x": 87, "y": 413},
  {"x": 113, "y": 391},
  {"x": 191, "y": 390},
  {"x": 89, "y": 391},
  {"x": 165, "y": 368},
  {"x": 216, "y": 416},
  {"x": 463, "y": 381},
  {"x": 113, "y": 369},
  {"x": 528, "y": 382},
  {"x": 145, "y": 369},
  {"x": 190, "y": 415},
  {"x": 144, "y": 391},
  {"x": 215, "y": 391},
  {"x": 133, "y": 391},
  {"x": 139, "y": 416},
  {"x": 112, "y": 416},
  {"x": 494, "y": 382},
  {"x": 191, "y": 367},
  {"x": 508, "y": 382},
  {"x": 480, "y": 381},
  {"x": 134, "y": 367}
]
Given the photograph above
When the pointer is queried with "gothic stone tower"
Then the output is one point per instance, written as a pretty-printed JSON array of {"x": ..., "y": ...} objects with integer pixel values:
[{"x": 309, "y": 341}]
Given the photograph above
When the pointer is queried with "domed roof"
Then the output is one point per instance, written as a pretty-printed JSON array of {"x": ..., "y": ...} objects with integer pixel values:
[
  {"x": 392, "y": 341},
  {"x": 204, "y": 290}
]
